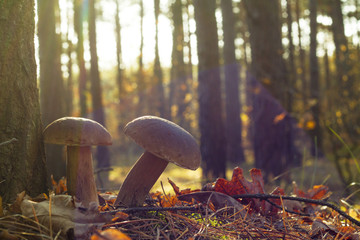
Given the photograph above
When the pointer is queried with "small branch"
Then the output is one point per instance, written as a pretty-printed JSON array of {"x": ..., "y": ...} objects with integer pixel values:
[
  {"x": 146, "y": 209},
  {"x": 306, "y": 200},
  {"x": 9, "y": 141}
]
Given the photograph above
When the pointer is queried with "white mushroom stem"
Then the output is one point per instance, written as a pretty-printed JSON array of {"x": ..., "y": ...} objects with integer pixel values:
[
  {"x": 140, "y": 180},
  {"x": 80, "y": 178}
]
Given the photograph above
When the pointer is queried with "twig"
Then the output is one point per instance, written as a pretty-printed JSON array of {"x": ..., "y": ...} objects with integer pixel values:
[
  {"x": 9, "y": 141},
  {"x": 299, "y": 199},
  {"x": 146, "y": 209}
]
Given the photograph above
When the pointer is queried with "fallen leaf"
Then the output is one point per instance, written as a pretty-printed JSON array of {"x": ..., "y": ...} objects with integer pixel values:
[
  {"x": 120, "y": 216},
  {"x": 181, "y": 192},
  {"x": 278, "y": 118},
  {"x": 318, "y": 192},
  {"x": 110, "y": 233},
  {"x": 64, "y": 217},
  {"x": 59, "y": 187},
  {"x": 15, "y": 207},
  {"x": 239, "y": 185}
]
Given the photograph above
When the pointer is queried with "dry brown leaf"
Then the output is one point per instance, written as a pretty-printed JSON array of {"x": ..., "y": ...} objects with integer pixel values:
[{"x": 64, "y": 216}]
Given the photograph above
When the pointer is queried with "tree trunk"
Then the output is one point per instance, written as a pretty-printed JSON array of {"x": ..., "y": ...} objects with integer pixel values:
[
  {"x": 21, "y": 148},
  {"x": 292, "y": 71},
  {"x": 344, "y": 76},
  {"x": 188, "y": 45},
  {"x": 302, "y": 70},
  {"x": 314, "y": 77},
  {"x": 272, "y": 140},
  {"x": 102, "y": 153},
  {"x": 178, "y": 68},
  {"x": 119, "y": 77},
  {"x": 69, "y": 90},
  {"x": 141, "y": 88},
  {"x": 158, "y": 74},
  {"x": 82, "y": 79},
  {"x": 212, "y": 141},
  {"x": 52, "y": 93},
  {"x": 119, "y": 71},
  {"x": 233, "y": 125}
]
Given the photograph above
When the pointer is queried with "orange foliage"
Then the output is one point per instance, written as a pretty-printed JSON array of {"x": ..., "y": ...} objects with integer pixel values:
[
  {"x": 318, "y": 192},
  {"x": 110, "y": 233},
  {"x": 279, "y": 118},
  {"x": 59, "y": 187}
]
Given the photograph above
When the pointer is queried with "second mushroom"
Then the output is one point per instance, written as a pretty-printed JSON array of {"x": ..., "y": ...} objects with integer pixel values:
[
  {"x": 78, "y": 135},
  {"x": 164, "y": 142}
]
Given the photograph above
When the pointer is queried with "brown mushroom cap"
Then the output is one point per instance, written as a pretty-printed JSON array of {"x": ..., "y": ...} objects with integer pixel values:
[
  {"x": 76, "y": 131},
  {"x": 166, "y": 140}
]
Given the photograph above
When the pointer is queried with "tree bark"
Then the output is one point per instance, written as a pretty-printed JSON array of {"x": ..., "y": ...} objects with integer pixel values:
[
  {"x": 102, "y": 153},
  {"x": 212, "y": 140},
  {"x": 52, "y": 92},
  {"x": 21, "y": 148},
  {"x": 233, "y": 125}
]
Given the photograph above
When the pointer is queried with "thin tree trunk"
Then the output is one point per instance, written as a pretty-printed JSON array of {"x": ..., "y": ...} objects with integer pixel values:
[
  {"x": 102, "y": 153},
  {"x": 344, "y": 76},
  {"x": 178, "y": 68},
  {"x": 119, "y": 77},
  {"x": 292, "y": 71},
  {"x": 314, "y": 76},
  {"x": 69, "y": 84},
  {"x": 141, "y": 88},
  {"x": 52, "y": 94},
  {"x": 233, "y": 126},
  {"x": 158, "y": 74},
  {"x": 82, "y": 79},
  {"x": 212, "y": 140},
  {"x": 302, "y": 69},
  {"x": 22, "y": 154},
  {"x": 188, "y": 45}
]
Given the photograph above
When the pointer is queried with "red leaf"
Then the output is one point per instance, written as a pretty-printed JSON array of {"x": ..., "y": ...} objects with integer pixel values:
[
  {"x": 318, "y": 192},
  {"x": 239, "y": 185}
]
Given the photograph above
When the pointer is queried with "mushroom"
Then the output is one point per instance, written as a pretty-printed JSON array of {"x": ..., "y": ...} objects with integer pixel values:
[
  {"x": 163, "y": 142},
  {"x": 78, "y": 134}
]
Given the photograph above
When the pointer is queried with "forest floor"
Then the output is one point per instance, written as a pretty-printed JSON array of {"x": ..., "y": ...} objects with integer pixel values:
[{"x": 178, "y": 209}]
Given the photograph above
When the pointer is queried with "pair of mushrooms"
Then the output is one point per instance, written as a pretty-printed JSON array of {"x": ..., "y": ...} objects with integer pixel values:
[{"x": 162, "y": 140}]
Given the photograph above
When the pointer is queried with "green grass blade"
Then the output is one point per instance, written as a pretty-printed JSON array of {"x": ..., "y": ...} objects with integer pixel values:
[{"x": 347, "y": 148}]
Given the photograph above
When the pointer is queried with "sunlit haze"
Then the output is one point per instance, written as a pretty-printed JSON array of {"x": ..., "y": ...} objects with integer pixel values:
[{"x": 130, "y": 33}]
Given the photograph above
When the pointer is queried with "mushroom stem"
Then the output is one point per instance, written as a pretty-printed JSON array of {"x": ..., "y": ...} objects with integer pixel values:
[
  {"x": 140, "y": 180},
  {"x": 80, "y": 177}
]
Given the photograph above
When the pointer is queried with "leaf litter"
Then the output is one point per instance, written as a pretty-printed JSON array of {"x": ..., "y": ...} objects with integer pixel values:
[{"x": 235, "y": 209}]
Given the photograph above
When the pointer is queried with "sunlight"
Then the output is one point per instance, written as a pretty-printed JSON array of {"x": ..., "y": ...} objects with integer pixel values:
[{"x": 130, "y": 33}]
